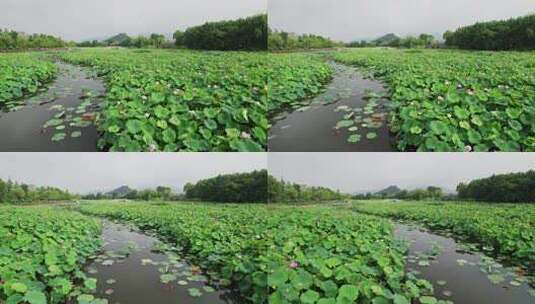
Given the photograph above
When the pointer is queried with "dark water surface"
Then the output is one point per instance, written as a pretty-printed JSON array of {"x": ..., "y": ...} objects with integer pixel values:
[
  {"x": 313, "y": 129},
  {"x": 461, "y": 273},
  {"x": 137, "y": 276},
  {"x": 22, "y": 129}
]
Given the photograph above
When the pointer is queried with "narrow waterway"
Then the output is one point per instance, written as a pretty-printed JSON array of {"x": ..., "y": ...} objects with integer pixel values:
[
  {"x": 458, "y": 273},
  {"x": 136, "y": 268},
  {"x": 59, "y": 119},
  {"x": 350, "y": 115}
]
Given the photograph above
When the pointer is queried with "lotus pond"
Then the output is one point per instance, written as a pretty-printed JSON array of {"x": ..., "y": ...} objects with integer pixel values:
[
  {"x": 58, "y": 118},
  {"x": 57, "y": 255},
  {"x": 125, "y": 251},
  {"x": 156, "y": 100},
  {"x": 506, "y": 231},
  {"x": 449, "y": 100},
  {"x": 22, "y": 74},
  {"x": 42, "y": 251},
  {"x": 179, "y": 100},
  {"x": 349, "y": 114}
]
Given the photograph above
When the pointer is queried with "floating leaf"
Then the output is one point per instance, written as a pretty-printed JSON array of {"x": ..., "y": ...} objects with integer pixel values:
[
  {"x": 59, "y": 136},
  {"x": 166, "y": 278},
  {"x": 354, "y": 138},
  {"x": 344, "y": 124},
  {"x": 371, "y": 135},
  {"x": 194, "y": 292}
]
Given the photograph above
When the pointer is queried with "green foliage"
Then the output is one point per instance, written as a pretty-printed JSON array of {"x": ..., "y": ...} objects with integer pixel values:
[
  {"x": 335, "y": 256},
  {"x": 282, "y": 41},
  {"x": 393, "y": 192},
  {"x": 178, "y": 35},
  {"x": 21, "y": 74},
  {"x": 161, "y": 193},
  {"x": 513, "y": 34},
  {"x": 155, "y": 40},
  {"x": 180, "y": 100},
  {"x": 12, "y": 40},
  {"x": 15, "y": 193},
  {"x": 42, "y": 252},
  {"x": 422, "y": 41},
  {"x": 231, "y": 240},
  {"x": 501, "y": 188},
  {"x": 283, "y": 254},
  {"x": 285, "y": 192},
  {"x": 453, "y": 100},
  {"x": 292, "y": 78},
  {"x": 243, "y": 34},
  {"x": 391, "y": 40},
  {"x": 237, "y": 188},
  {"x": 508, "y": 229}
]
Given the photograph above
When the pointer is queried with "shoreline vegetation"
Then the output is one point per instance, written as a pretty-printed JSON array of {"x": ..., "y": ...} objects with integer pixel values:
[
  {"x": 443, "y": 95},
  {"x": 293, "y": 249}
]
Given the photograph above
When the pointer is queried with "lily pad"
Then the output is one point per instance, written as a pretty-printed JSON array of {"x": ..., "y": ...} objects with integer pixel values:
[
  {"x": 354, "y": 138},
  {"x": 371, "y": 135},
  {"x": 344, "y": 123},
  {"x": 58, "y": 137},
  {"x": 194, "y": 292},
  {"x": 166, "y": 278}
]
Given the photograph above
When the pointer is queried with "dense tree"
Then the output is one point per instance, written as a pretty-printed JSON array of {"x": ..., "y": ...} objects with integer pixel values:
[
  {"x": 153, "y": 41},
  {"x": 141, "y": 42},
  {"x": 161, "y": 193},
  {"x": 422, "y": 41},
  {"x": 157, "y": 40},
  {"x": 93, "y": 43},
  {"x": 12, "y": 40},
  {"x": 285, "y": 192},
  {"x": 512, "y": 34},
  {"x": 359, "y": 44},
  {"x": 429, "y": 193},
  {"x": 282, "y": 41},
  {"x": 242, "y": 34},
  {"x": 15, "y": 193},
  {"x": 236, "y": 188},
  {"x": 512, "y": 188},
  {"x": 178, "y": 36}
]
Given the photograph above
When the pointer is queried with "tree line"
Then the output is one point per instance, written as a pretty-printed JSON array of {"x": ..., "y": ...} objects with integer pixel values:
[
  {"x": 280, "y": 191},
  {"x": 18, "y": 193},
  {"x": 249, "y": 33},
  {"x": 421, "y": 41},
  {"x": 230, "y": 35},
  {"x": 393, "y": 192},
  {"x": 513, "y": 34},
  {"x": 13, "y": 40},
  {"x": 160, "y": 193},
  {"x": 231, "y": 188},
  {"x": 252, "y": 187},
  {"x": 284, "y": 41},
  {"x": 501, "y": 188},
  {"x": 155, "y": 40}
]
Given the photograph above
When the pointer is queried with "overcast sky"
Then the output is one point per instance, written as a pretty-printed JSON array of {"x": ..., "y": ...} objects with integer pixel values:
[
  {"x": 88, "y": 172},
  {"x": 349, "y": 20},
  {"x": 87, "y": 19},
  {"x": 357, "y": 172}
]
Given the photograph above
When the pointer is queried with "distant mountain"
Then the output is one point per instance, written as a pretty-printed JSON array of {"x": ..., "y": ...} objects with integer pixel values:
[
  {"x": 389, "y": 191},
  {"x": 120, "y": 192},
  {"x": 117, "y": 39},
  {"x": 386, "y": 39}
]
